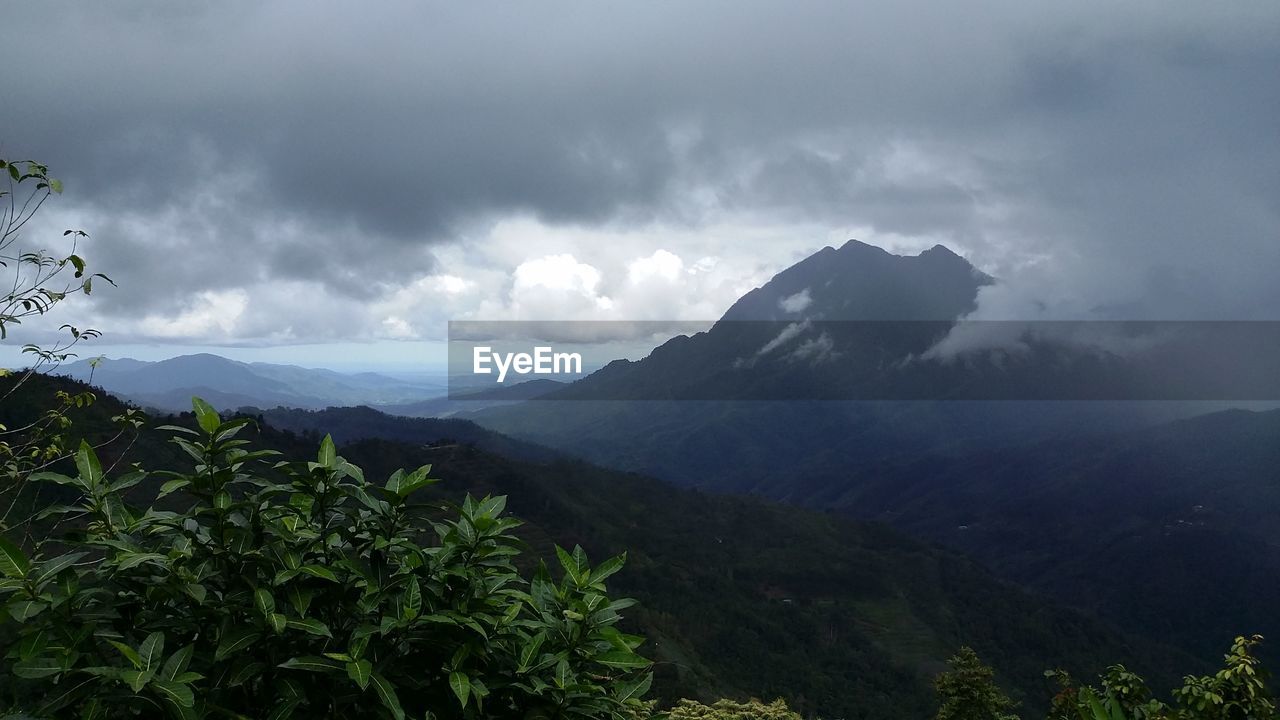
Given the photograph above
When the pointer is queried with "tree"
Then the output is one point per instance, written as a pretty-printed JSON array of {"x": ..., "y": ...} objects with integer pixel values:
[
  {"x": 968, "y": 691},
  {"x": 300, "y": 589},
  {"x": 37, "y": 282}
]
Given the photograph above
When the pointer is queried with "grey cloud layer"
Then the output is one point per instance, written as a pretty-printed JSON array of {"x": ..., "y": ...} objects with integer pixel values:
[{"x": 329, "y": 142}]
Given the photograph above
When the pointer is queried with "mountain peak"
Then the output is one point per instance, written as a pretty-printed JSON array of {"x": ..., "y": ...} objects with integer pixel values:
[
  {"x": 857, "y": 247},
  {"x": 942, "y": 250},
  {"x": 860, "y": 281}
]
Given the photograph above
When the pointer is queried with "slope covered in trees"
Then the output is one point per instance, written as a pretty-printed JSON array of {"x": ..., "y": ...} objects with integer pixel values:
[{"x": 740, "y": 597}]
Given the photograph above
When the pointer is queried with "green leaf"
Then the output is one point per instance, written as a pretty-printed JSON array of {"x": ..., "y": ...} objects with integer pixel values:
[
  {"x": 206, "y": 416},
  {"x": 359, "y": 672},
  {"x": 55, "y": 701},
  {"x": 461, "y": 686},
  {"x": 328, "y": 453},
  {"x": 129, "y": 653},
  {"x": 234, "y": 641},
  {"x": 128, "y": 560},
  {"x": 387, "y": 694},
  {"x": 36, "y": 668},
  {"x": 13, "y": 562},
  {"x": 197, "y": 591},
  {"x": 312, "y": 663},
  {"x": 49, "y": 569},
  {"x": 580, "y": 559},
  {"x": 300, "y": 599},
  {"x": 177, "y": 663},
  {"x": 635, "y": 689},
  {"x": 319, "y": 571},
  {"x": 264, "y": 601},
  {"x": 622, "y": 659},
  {"x": 136, "y": 679},
  {"x": 492, "y": 506},
  {"x": 222, "y": 500},
  {"x": 606, "y": 569},
  {"x": 310, "y": 625},
  {"x": 405, "y": 485},
  {"x": 173, "y": 486},
  {"x": 151, "y": 651},
  {"x": 243, "y": 672},
  {"x": 88, "y": 465},
  {"x": 176, "y": 693},
  {"x": 412, "y": 599},
  {"x": 24, "y": 610},
  {"x": 530, "y": 651},
  {"x": 290, "y": 689}
]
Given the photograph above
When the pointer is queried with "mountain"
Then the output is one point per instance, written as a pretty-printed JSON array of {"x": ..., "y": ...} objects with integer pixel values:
[
  {"x": 737, "y": 596},
  {"x": 228, "y": 384},
  {"x": 840, "y": 324},
  {"x": 1162, "y": 524}
]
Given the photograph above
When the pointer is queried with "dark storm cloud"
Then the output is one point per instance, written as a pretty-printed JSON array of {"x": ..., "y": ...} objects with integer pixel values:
[{"x": 226, "y": 143}]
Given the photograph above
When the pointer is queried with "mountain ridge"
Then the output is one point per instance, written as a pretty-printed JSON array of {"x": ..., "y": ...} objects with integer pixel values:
[{"x": 169, "y": 384}]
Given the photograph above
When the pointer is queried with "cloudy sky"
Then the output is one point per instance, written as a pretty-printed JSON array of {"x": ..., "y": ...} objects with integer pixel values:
[{"x": 330, "y": 183}]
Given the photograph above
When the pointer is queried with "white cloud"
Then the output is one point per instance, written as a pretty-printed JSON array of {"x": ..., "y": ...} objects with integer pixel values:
[
  {"x": 818, "y": 350},
  {"x": 788, "y": 333},
  {"x": 796, "y": 303},
  {"x": 662, "y": 265},
  {"x": 212, "y": 314}
]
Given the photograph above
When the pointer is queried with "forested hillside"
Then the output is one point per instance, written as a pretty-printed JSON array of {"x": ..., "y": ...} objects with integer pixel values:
[{"x": 741, "y": 597}]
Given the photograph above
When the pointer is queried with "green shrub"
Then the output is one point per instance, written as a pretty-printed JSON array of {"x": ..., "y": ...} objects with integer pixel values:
[
  {"x": 968, "y": 691},
  {"x": 301, "y": 589},
  {"x": 730, "y": 710},
  {"x": 1237, "y": 692}
]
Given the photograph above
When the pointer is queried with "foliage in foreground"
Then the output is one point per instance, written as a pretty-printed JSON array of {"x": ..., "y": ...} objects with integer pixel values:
[
  {"x": 35, "y": 281},
  {"x": 1236, "y": 692},
  {"x": 301, "y": 589}
]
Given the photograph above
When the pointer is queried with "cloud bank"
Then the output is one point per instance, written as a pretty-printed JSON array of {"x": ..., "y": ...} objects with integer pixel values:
[{"x": 305, "y": 172}]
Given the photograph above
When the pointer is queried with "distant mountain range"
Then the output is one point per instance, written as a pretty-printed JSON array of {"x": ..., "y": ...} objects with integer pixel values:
[
  {"x": 169, "y": 385},
  {"x": 229, "y": 384}
]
